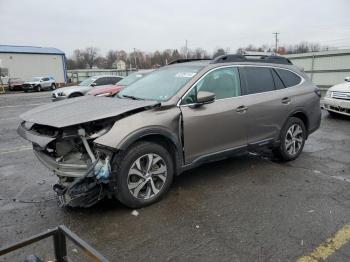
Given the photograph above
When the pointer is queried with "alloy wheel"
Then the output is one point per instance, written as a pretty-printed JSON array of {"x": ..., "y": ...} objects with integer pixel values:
[
  {"x": 147, "y": 176},
  {"x": 294, "y": 139}
]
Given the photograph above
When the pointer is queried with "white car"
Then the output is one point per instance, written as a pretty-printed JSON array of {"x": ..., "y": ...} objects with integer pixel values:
[
  {"x": 84, "y": 87},
  {"x": 337, "y": 99},
  {"x": 39, "y": 83}
]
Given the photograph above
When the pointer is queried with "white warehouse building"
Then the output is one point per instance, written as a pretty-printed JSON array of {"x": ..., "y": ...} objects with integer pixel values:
[
  {"x": 26, "y": 62},
  {"x": 325, "y": 68}
]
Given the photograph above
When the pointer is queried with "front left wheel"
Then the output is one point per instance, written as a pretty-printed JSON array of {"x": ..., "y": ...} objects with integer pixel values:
[{"x": 142, "y": 174}]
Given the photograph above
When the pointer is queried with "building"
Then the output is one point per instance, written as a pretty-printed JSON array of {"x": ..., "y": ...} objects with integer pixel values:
[
  {"x": 119, "y": 65},
  {"x": 325, "y": 68},
  {"x": 26, "y": 62}
]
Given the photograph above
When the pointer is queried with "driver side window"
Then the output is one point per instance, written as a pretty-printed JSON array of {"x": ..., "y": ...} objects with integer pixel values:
[{"x": 223, "y": 82}]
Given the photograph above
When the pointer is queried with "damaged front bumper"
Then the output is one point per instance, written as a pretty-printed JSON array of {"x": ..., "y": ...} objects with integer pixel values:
[
  {"x": 82, "y": 169},
  {"x": 61, "y": 169}
]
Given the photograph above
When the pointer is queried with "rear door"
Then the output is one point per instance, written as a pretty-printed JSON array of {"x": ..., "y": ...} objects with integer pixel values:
[
  {"x": 269, "y": 103},
  {"x": 218, "y": 126}
]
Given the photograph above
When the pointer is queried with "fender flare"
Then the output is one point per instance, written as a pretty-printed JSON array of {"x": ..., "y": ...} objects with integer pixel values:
[{"x": 139, "y": 134}]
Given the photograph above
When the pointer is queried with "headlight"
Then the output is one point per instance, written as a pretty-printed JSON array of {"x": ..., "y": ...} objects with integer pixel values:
[{"x": 329, "y": 93}]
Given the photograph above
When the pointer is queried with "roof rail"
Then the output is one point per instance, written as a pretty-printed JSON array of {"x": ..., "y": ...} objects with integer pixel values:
[
  {"x": 274, "y": 59},
  {"x": 184, "y": 60}
]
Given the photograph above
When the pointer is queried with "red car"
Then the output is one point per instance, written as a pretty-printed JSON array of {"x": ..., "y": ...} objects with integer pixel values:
[
  {"x": 113, "y": 90},
  {"x": 15, "y": 84}
]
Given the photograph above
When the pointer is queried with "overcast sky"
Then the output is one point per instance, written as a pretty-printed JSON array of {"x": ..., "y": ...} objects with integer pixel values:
[{"x": 158, "y": 24}]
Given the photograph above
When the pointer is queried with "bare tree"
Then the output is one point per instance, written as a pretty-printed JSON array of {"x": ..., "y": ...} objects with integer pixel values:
[{"x": 90, "y": 55}]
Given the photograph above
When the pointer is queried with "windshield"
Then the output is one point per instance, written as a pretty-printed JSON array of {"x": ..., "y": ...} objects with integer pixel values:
[
  {"x": 162, "y": 84},
  {"x": 130, "y": 79},
  {"x": 87, "y": 82}
]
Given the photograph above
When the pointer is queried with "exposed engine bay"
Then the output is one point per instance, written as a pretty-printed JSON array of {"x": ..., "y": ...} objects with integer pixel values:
[
  {"x": 77, "y": 140},
  {"x": 83, "y": 170}
]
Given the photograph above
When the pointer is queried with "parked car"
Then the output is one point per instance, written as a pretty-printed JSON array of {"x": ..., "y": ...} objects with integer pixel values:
[
  {"x": 337, "y": 99},
  {"x": 15, "y": 84},
  {"x": 113, "y": 90},
  {"x": 39, "y": 84},
  {"x": 84, "y": 87},
  {"x": 180, "y": 116}
]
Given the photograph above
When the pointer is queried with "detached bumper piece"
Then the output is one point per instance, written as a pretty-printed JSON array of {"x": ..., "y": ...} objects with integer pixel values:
[{"x": 81, "y": 193}]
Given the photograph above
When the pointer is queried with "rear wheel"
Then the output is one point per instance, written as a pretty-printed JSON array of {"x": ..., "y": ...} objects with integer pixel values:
[
  {"x": 292, "y": 140},
  {"x": 143, "y": 174}
]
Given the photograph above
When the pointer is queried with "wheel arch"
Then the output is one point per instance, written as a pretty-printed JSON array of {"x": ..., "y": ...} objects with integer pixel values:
[
  {"x": 303, "y": 117},
  {"x": 81, "y": 94},
  {"x": 160, "y": 136}
]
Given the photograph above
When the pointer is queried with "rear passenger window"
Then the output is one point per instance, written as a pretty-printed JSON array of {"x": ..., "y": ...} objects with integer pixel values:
[
  {"x": 258, "y": 79},
  {"x": 288, "y": 78},
  {"x": 278, "y": 82}
]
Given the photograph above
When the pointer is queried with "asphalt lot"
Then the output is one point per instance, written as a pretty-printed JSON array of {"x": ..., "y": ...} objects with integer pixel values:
[{"x": 247, "y": 208}]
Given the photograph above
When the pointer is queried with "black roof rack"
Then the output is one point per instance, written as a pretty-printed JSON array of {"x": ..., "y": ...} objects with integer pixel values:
[
  {"x": 274, "y": 59},
  {"x": 184, "y": 60}
]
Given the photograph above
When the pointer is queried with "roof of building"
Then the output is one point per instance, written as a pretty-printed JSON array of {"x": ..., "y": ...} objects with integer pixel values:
[
  {"x": 30, "y": 50},
  {"x": 320, "y": 53}
]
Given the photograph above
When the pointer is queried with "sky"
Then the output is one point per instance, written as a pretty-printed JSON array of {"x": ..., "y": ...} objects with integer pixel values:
[{"x": 159, "y": 24}]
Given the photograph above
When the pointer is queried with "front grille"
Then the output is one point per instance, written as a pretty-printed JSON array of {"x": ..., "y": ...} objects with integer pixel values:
[{"x": 341, "y": 95}]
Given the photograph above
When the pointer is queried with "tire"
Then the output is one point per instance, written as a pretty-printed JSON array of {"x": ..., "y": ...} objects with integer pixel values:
[
  {"x": 134, "y": 186},
  {"x": 285, "y": 150},
  {"x": 38, "y": 88},
  {"x": 53, "y": 87},
  {"x": 75, "y": 95}
]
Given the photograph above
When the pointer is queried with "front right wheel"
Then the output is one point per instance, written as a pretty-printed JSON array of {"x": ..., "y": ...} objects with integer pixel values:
[
  {"x": 143, "y": 174},
  {"x": 292, "y": 140}
]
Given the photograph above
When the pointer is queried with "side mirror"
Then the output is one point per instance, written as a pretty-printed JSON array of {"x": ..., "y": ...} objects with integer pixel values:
[
  {"x": 204, "y": 97},
  {"x": 347, "y": 79},
  {"x": 93, "y": 84}
]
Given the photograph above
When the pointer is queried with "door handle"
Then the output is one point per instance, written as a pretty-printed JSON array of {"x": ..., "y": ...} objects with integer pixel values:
[
  {"x": 241, "y": 109},
  {"x": 286, "y": 100}
]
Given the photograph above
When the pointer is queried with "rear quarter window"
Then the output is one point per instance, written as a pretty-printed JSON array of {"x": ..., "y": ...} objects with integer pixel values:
[{"x": 289, "y": 78}]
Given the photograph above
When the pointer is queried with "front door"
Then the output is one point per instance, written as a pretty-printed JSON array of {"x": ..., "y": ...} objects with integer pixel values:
[{"x": 218, "y": 126}]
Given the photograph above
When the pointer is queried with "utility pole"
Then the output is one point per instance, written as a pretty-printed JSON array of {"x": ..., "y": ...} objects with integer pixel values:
[
  {"x": 276, "y": 41},
  {"x": 135, "y": 58},
  {"x": 186, "y": 50}
]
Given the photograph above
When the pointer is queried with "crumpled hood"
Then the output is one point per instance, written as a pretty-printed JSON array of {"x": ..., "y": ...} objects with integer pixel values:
[
  {"x": 343, "y": 87},
  {"x": 32, "y": 82},
  {"x": 81, "y": 110}
]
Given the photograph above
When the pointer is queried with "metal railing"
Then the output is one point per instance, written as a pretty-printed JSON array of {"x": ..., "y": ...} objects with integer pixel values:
[{"x": 59, "y": 235}]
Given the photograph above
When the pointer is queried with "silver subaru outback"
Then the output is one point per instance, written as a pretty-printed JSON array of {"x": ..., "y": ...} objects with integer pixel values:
[{"x": 180, "y": 116}]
